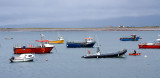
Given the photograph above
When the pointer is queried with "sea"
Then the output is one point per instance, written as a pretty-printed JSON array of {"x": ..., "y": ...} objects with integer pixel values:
[{"x": 66, "y": 62}]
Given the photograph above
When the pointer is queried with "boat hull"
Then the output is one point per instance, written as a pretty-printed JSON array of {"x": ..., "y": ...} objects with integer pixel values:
[
  {"x": 129, "y": 39},
  {"x": 108, "y": 55},
  {"x": 79, "y": 45},
  {"x": 132, "y": 54},
  {"x": 21, "y": 60},
  {"x": 141, "y": 46},
  {"x": 57, "y": 42},
  {"x": 39, "y": 50}
]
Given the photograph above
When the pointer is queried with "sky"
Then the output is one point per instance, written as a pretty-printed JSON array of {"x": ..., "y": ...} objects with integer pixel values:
[{"x": 78, "y": 13}]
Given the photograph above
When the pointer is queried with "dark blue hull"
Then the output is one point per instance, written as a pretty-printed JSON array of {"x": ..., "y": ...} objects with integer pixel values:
[
  {"x": 129, "y": 39},
  {"x": 79, "y": 45}
]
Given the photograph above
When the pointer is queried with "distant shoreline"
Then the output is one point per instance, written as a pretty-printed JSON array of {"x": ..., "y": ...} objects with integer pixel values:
[{"x": 85, "y": 29}]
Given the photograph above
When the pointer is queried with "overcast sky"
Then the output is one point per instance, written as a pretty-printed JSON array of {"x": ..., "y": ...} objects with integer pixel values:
[{"x": 65, "y": 12}]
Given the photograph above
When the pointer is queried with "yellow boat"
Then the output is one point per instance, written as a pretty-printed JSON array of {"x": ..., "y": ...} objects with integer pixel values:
[{"x": 59, "y": 41}]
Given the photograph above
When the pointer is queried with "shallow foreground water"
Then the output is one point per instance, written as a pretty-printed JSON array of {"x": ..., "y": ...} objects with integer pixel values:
[{"x": 67, "y": 62}]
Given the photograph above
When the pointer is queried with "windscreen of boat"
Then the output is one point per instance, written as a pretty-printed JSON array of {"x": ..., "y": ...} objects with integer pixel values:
[{"x": 29, "y": 55}]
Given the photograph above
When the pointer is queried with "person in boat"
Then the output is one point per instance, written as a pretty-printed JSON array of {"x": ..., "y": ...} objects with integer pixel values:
[
  {"x": 134, "y": 52},
  {"x": 89, "y": 51}
]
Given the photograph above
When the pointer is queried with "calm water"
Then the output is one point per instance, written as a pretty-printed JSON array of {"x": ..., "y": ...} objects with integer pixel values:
[{"x": 67, "y": 62}]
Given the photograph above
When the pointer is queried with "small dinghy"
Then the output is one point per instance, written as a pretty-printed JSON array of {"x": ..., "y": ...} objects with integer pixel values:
[
  {"x": 99, "y": 55},
  {"x": 22, "y": 58},
  {"x": 134, "y": 54}
]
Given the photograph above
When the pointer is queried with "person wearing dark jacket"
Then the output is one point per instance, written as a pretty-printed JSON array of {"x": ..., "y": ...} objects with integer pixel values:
[{"x": 134, "y": 52}]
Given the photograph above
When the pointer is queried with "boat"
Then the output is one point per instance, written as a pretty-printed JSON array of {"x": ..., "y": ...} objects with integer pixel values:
[
  {"x": 153, "y": 45},
  {"x": 134, "y": 54},
  {"x": 59, "y": 41},
  {"x": 22, "y": 58},
  {"x": 132, "y": 38},
  {"x": 107, "y": 55},
  {"x": 89, "y": 42},
  {"x": 8, "y": 38},
  {"x": 44, "y": 47}
]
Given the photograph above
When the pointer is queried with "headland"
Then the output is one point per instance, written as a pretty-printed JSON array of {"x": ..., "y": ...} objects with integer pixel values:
[{"x": 147, "y": 28}]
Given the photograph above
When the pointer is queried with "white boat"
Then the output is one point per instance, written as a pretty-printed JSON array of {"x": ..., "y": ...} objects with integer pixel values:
[{"x": 22, "y": 58}]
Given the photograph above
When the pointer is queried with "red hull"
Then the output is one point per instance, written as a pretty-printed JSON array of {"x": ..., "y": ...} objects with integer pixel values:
[
  {"x": 149, "y": 46},
  {"x": 33, "y": 50}
]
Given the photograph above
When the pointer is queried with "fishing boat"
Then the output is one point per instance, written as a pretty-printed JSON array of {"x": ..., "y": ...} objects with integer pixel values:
[
  {"x": 132, "y": 38},
  {"x": 153, "y": 45},
  {"x": 89, "y": 42},
  {"x": 22, "y": 58},
  {"x": 107, "y": 55},
  {"x": 134, "y": 54},
  {"x": 59, "y": 41},
  {"x": 44, "y": 47}
]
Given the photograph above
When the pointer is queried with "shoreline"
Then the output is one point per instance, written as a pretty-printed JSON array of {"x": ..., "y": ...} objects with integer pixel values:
[{"x": 83, "y": 29}]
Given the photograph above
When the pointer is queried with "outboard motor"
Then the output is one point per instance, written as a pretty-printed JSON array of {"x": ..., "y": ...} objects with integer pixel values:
[{"x": 11, "y": 59}]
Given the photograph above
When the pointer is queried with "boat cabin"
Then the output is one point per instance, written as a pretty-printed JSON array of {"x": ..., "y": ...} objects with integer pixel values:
[
  {"x": 88, "y": 39},
  {"x": 45, "y": 43},
  {"x": 133, "y": 35},
  {"x": 26, "y": 56},
  {"x": 60, "y": 38},
  {"x": 157, "y": 42}
]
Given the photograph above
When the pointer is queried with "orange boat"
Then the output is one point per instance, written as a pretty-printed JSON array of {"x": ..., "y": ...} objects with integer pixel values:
[
  {"x": 59, "y": 41},
  {"x": 132, "y": 54}
]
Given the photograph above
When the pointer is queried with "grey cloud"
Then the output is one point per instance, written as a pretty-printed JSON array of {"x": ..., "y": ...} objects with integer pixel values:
[{"x": 46, "y": 11}]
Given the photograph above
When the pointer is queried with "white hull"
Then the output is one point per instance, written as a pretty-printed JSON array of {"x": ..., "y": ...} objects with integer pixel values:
[{"x": 22, "y": 60}]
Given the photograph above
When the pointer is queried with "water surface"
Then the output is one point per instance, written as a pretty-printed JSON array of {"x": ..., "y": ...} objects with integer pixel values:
[{"x": 67, "y": 62}]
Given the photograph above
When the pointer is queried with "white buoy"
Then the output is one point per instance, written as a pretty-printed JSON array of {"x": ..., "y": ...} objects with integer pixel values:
[
  {"x": 46, "y": 59},
  {"x": 145, "y": 56}
]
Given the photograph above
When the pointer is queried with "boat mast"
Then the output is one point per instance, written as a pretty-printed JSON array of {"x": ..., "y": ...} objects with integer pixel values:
[
  {"x": 98, "y": 49},
  {"x": 42, "y": 36},
  {"x": 59, "y": 35}
]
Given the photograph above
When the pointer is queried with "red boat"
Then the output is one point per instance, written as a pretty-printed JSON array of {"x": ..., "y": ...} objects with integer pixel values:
[
  {"x": 134, "y": 54},
  {"x": 155, "y": 45},
  {"x": 45, "y": 47}
]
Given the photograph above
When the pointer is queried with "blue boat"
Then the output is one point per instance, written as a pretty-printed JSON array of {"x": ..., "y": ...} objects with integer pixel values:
[
  {"x": 89, "y": 42},
  {"x": 132, "y": 38}
]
